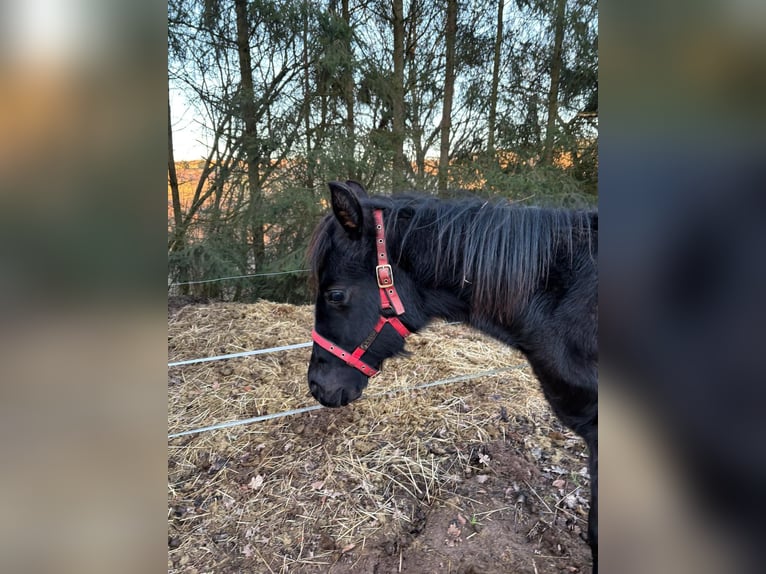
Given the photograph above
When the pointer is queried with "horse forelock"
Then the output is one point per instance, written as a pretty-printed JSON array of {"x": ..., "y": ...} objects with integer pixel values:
[
  {"x": 328, "y": 239},
  {"x": 319, "y": 247}
]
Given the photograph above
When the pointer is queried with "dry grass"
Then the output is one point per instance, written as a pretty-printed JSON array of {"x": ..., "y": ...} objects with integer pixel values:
[{"x": 298, "y": 492}]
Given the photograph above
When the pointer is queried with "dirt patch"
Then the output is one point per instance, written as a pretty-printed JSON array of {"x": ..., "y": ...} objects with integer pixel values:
[
  {"x": 476, "y": 476},
  {"x": 505, "y": 518}
]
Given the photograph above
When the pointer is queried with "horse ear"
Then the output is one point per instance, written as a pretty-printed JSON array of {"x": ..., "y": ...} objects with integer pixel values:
[
  {"x": 357, "y": 188},
  {"x": 346, "y": 207}
]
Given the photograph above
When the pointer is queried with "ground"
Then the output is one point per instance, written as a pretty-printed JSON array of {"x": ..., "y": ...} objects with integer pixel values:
[{"x": 474, "y": 476}]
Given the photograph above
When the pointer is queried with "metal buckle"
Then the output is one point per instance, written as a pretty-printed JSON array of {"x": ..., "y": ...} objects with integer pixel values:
[{"x": 386, "y": 281}]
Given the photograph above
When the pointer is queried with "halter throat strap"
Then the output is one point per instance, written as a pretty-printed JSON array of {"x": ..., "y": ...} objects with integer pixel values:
[{"x": 390, "y": 302}]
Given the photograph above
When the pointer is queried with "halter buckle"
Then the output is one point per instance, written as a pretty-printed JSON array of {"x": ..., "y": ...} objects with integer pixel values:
[{"x": 385, "y": 276}]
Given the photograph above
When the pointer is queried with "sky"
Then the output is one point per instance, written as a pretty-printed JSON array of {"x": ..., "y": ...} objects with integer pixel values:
[{"x": 187, "y": 132}]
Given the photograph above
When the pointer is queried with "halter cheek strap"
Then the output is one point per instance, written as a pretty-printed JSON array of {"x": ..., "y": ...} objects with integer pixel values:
[
  {"x": 389, "y": 301},
  {"x": 389, "y": 298}
]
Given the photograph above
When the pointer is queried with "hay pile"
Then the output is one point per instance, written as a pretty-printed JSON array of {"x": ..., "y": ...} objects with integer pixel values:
[{"x": 301, "y": 492}]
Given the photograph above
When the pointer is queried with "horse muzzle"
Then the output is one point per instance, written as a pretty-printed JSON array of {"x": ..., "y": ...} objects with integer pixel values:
[
  {"x": 338, "y": 397},
  {"x": 336, "y": 387}
]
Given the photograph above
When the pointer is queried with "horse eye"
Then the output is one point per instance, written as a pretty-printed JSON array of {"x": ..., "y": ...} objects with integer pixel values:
[{"x": 336, "y": 296}]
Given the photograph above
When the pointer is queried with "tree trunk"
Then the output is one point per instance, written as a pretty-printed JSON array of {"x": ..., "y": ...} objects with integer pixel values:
[
  {"x": 398, "y": 179},
  {"x": 495, "y": 80},
  {"x": 307, "y": 95},
  {"x": 449, "y": 89},
  {"x": 173, "y": 177},
  {"x": 415, "y": 98},
  {"x": 250, "y": 137},
  {"x": 348, "y": 96},
  {"x": 177, "y": 243},
  {"x": 553, "y": 93}
]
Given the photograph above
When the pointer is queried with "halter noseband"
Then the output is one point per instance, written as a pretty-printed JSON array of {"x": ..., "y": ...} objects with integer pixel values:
[{"x": 389, "y": 301}]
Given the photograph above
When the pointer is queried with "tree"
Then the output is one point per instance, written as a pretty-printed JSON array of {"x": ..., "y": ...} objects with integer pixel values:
[
  {"x": 249, "y": 113},
  {"x": 399, "y": 169},
  {"x": 183, "y": 268},
  {"x": 496, "y": 54},
  {"x": 348, "y": 89},
  {"x": 553, "y": 93},
  {"x": 450, "y": 31}
]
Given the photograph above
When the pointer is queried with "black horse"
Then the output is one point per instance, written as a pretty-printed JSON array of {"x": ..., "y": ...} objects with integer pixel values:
[{"x": 524, "y": 275}]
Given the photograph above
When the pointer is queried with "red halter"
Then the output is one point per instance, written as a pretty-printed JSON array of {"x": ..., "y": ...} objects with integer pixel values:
[{"x": 389, "y": 299}]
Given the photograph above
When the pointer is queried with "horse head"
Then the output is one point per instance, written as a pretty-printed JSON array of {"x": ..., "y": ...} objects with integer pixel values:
[{"x": 359, "y": 315}]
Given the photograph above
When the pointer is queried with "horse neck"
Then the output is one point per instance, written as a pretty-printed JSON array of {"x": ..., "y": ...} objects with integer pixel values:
[
  {"x": 434, "y": 263},
  {"x": 489, "y": 261}
]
